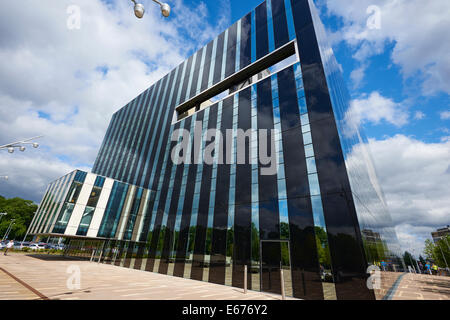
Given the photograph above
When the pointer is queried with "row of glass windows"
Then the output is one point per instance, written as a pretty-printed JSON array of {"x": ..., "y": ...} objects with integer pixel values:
[
  {"x": 90, "y": 206},
  {"x": 255, "y": 212},
  {"x": 196, "y": 196},
  {"x": 125, "y": 120},
  {"x": 180, "y": 205},
  {"x": 160, "y": 142},
  {"x": 323, "y": 250},
  {"x": 51, "y": 202},
  {"x": 66, "y": 212},
  {"x": 163, "y": 226},
  {"x": 195, "y": 204},
  {"x": 113, "y": 210}
]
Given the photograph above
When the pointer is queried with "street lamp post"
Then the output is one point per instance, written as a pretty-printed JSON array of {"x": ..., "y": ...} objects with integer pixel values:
[
  {"x": 5, "y": 236},
  {"x": 139, "y": 9},
  {"x": 20, "y": 145},
  {"x": 2, "y": 214},
  {"x": 4, "y": 177}
]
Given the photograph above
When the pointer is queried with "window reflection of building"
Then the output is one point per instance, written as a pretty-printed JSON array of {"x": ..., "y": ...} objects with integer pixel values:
[{"x": 440, "y": 233}]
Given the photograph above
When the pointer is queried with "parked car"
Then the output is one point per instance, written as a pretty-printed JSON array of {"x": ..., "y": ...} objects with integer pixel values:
[
  {"x": 36, "y": 246},
  {"x": 21, "y": 245},
  {"x": 54, "y": 246}
]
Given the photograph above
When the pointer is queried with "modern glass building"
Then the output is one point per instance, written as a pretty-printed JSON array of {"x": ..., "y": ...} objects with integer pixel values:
[{"x": 305, "y": 199}]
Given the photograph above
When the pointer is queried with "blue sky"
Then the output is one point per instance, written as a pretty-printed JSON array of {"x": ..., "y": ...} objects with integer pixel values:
[
  {"x": 381, "y": 75},
  {"x": 384, "y": 76},
  {"x": 65, "y": 83}
]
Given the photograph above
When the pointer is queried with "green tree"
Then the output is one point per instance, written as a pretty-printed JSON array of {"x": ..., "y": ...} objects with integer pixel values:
[
  {"x": 438, "y": 252},
  {"x": 429, "y": 249},
  {"x": 322, "y": 247},
  {"x": 19, "y": 209}
]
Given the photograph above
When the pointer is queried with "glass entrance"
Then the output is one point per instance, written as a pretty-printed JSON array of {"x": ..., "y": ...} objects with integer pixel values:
[{"x": 275, "y": 256}]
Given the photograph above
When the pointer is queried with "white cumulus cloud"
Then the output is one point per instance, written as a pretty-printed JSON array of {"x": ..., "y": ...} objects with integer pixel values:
[
  {"x": 66, "y": 83},
  {"x": 375, "y": 108},
  {"x": 418, "y": 31},
  {"x": 415, "y": 177},
  {"x": 445, "y": 115},
  {"x": 419, "y": 115}
]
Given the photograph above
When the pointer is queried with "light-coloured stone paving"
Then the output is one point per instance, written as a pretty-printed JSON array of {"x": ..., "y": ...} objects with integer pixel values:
[
  {"x": 423, "y": 287},
  {"x": 48, "y": 276},
  {"x": 10, "y": 289},
  {"x": 52, "y": 276}
]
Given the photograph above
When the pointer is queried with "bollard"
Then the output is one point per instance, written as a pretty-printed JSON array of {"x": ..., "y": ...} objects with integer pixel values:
[
  {"x": 283, "y": 295},
  {"x": 245, "y": 279}
]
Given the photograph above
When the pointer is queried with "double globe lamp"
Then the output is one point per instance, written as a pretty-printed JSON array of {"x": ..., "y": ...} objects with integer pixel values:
[{"x": 139, "y": 9}]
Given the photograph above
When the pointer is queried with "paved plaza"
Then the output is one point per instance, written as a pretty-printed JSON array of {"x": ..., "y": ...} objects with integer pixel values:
[
  {"x": 41, "y": 276},
  {"x": 32, "y": 276},
  {"x": 422, "y": 287}
]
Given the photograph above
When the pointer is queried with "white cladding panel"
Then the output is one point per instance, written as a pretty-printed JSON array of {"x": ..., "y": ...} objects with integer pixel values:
[
  {"x": 104, "y": 195},
  {"x": 78, "y": 211},
  {"x": 75, "y": 219},
  {"x": 90, "y": 179},
  {"x": 100, "y": 209}
]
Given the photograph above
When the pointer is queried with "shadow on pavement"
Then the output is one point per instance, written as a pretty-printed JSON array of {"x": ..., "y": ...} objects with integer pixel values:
[
  {"x": 437, "y": 283},
  {"x": 267, "y": 295},
  {"x": 439, "y": 291},
  {"x": 49, "y": 257}
]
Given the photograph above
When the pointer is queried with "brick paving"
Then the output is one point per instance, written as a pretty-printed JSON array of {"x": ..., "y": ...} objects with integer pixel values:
[
  {"x": 423, "y": 287},
  {"x": 49, "y": 275}
]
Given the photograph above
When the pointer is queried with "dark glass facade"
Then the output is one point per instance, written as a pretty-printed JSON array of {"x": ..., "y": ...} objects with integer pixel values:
[{"x": 208, "y": 221}]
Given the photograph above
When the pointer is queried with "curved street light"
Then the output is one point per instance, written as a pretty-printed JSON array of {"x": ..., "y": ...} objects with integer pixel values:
[
  {"x": 5, "y": 236},
  {"x": 4, "y": 177},
  {"x": 20, "y": 145},
  {"x": 139, "y": 9}
]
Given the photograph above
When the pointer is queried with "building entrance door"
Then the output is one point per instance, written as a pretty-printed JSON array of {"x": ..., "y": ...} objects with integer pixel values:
[{"x": 275, "y": 255}]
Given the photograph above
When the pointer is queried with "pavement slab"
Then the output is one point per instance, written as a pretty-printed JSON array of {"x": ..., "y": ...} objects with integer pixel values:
[
  {"x": 423, "y": 287},
  {"x": 53, "y": 277},
  {"x": 41, "y": 276}
]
